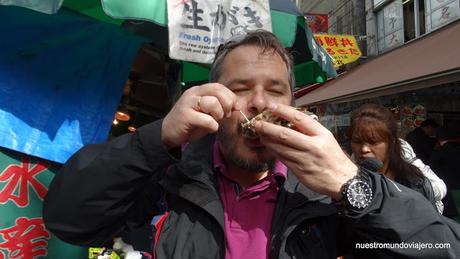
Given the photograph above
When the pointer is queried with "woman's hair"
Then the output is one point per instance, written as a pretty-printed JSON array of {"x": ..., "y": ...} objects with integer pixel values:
[{"x": 373, "y": 123}]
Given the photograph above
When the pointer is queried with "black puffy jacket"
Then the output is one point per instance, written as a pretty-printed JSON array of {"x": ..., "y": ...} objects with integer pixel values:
[{"x": 108, "y": 189}]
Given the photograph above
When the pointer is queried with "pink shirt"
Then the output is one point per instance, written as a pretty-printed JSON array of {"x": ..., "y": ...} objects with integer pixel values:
[{"x": 248, "y": 212}]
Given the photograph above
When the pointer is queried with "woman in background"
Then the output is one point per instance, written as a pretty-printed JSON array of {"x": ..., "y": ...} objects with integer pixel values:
[{"x": 374, "y": 135}]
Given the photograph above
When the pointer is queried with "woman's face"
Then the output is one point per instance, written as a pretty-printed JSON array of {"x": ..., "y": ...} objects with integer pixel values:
[{"x": 371, "y": 147}]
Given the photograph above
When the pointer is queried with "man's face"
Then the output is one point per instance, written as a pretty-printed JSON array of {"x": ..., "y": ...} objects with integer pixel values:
[{"x": 257, "y": 80}]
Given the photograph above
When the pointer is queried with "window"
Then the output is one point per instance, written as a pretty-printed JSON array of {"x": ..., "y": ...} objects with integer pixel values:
[
  {"x": 414, "y": 19},
  {"x": 400, "y": 21}
]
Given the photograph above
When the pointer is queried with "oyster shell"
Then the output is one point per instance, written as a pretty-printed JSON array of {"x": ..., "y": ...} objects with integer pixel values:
[{"x": 248, "y": 130}]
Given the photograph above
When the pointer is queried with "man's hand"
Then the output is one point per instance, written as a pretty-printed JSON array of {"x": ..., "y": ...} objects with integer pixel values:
[
  {"x": 310, "y": 151},
  {"x": 197, "y": 113}
]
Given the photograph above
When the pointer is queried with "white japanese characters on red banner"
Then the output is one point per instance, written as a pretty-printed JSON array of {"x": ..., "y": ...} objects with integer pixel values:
[{"x": 198, "y": 27}]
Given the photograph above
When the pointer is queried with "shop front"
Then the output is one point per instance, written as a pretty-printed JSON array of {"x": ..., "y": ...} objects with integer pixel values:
[{"x": 417, "y": 81}]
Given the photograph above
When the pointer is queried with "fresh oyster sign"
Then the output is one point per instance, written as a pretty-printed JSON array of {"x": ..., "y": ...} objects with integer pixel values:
[{"x": 198, "y": 27}]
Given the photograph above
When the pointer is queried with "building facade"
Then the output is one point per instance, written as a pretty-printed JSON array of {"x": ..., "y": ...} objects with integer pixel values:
[
  {"x": 412, "y": 64},
  {"x": 391, "y": 24}
]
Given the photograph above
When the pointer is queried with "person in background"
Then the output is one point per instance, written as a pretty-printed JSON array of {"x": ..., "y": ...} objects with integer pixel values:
[
  {"x": 374, "y": 135},
  {"x": 444, "y": 160},
  {"x": 439, "y": 187},
  {"x": 423, "y": 139},
  {"x": 281, "y": 193}
]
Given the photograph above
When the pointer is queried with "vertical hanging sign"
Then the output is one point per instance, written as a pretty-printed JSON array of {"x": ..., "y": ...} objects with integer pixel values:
[
  {"x": 198, "y": 27},
  {"x": 24, "y": 182}
]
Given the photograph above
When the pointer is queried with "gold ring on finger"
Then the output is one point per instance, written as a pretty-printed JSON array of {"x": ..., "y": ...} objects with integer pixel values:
[{"x": 198, "y": 103}]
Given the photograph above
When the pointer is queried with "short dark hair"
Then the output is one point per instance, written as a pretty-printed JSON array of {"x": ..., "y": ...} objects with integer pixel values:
[
  {"x": 448, "y": 132},
  {"x": 267, "y": 42},
  {"x": 429, "y": 123}
]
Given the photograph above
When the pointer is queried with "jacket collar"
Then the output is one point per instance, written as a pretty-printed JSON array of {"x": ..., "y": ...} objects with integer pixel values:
[
  {"x": 201, "y": 153},
  {"x": 194, "y": 180}
]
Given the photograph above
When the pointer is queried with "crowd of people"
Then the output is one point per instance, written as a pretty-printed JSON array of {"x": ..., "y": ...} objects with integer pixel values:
[{"x": 288, "y": 192}]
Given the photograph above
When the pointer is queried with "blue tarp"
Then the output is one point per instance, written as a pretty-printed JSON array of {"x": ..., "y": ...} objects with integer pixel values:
[{"x": 61, "y": 78}]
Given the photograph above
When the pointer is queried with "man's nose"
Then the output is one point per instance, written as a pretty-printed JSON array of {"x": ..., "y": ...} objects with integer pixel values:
[{"x": 258, "y": 102}]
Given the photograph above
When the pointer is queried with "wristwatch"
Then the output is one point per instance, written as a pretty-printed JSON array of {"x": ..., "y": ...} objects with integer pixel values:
[{"x": 357, "y": 192}]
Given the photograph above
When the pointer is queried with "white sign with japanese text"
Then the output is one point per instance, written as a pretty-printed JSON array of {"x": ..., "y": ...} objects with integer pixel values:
[
  {"x": 443, "y": 12},
  {"x": 390, "y": 26},
  {"x": 198, "y": 27}
]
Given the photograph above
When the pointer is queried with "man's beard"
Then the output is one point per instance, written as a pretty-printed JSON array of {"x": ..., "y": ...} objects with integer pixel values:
[{"x": 229, "y": 147}]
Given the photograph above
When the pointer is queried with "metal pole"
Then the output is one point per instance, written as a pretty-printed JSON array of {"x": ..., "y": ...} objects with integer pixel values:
[{"x": 417, "y": 18}]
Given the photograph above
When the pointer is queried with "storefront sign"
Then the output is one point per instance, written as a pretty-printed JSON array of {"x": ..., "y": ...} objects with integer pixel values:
[
  {"x": 318, "y": 23},
  {"x": 23, "y": 185},
  {"x": 198, "y": 27},
  {"x": 342, "y": 48}
]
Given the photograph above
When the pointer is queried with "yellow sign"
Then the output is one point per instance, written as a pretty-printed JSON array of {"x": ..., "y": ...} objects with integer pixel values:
[
  {"x": 342, "y": 48},
  {"x": 94, "y": 253}
]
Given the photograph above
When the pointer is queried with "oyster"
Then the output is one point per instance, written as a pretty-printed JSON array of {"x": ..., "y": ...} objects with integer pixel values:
[{"x": 248, "y": 126}]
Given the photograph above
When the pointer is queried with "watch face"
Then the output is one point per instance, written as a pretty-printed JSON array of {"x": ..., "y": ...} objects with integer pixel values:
[{"x": 359, "y": 194}]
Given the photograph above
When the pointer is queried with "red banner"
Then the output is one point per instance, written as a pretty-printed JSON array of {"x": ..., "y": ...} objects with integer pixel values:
[{"x": 318, "y": 23}]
